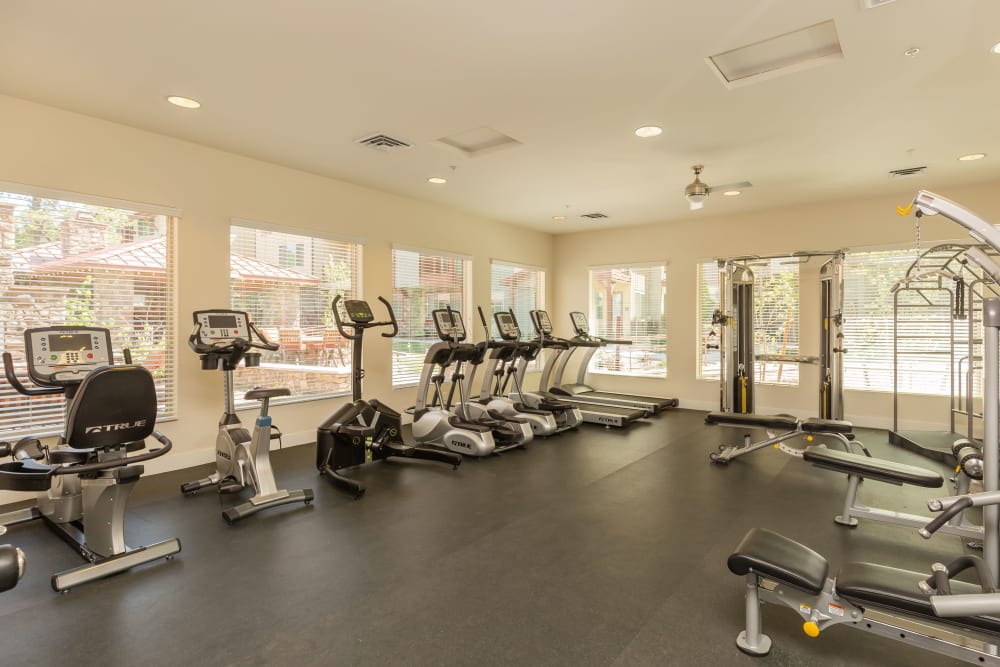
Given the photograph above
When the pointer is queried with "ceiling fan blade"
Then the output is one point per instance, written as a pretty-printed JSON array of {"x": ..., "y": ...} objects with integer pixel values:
[{"x": 743, "y": 185}]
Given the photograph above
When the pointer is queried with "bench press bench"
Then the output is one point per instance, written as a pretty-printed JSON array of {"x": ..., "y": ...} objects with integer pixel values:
[
  {"x": 779, "y": 570},
  {"x": 779, "y": 428}
]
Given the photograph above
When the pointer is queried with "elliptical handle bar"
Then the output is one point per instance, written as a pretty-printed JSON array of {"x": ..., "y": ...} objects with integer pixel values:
[
  {"x": 8, "y": 371},
  {"x": 340, "y": 322},
  {"x": 392, "y": 319}
]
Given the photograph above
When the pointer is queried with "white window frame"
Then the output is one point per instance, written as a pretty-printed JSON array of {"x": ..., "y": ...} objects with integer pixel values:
[
  {"x": 323, "y": 235},
  {"x": 173, "y": 216},
  {"x": 523, "y": 322},
  {"x": 467, "y": 283},
  {"x": 661, "y": 264}
]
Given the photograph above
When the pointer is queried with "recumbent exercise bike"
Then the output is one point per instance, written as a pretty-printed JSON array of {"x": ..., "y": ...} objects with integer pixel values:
[{"x": 84, "y": 481}]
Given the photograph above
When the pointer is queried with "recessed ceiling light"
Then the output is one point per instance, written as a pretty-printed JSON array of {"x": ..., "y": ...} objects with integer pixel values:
[
  {"x": 911, "y": 52},
  {"x": 732, "y": 193},
  {"x": 647, "y": 131},
  {"x": 559, "y": 217},
  {"x": 436, "y": 180},
  {"x": 185, "y": 102},
  {"x": 996, "y": 48},
  {"x": 972, "y": 156}
]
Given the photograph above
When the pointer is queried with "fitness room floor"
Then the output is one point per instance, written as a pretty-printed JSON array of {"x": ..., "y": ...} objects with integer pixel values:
[{"x": 595, "y": 547}]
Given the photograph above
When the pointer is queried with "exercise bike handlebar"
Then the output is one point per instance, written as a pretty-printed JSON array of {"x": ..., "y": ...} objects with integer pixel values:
[
  {"x": 118, "y": 463},
  {"x": 391, "y": 322},
  {"x": 8, "y": 371}
]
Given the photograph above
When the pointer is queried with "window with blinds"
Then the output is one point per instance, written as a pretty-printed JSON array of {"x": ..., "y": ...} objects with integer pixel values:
[
  {"x": 868, "y": 327},
  {"x": 287, "y": 282},
  {"x": 66, "y": 262},
  {"x": 518, "y": 288},
  {"x": 627, "y": 302},
  {"x": 423, "y": 281},
  {"x": 776, "y": 319}
]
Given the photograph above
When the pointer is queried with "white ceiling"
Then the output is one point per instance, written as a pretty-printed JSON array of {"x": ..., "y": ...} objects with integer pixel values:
[{"x": 296, "y": 82}]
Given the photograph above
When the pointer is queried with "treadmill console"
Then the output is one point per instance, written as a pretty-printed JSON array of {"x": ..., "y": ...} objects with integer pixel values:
[
  {"x": 221, "y": 327},
  {"x": 449, "y": 325},
  {"x": 580, "y": 324},
  {"x": 359, "y": 311},
  {"x": 543, "y": 324},
  {"x": 60, "y": 356},
  {"x": 506, "y": 326}
]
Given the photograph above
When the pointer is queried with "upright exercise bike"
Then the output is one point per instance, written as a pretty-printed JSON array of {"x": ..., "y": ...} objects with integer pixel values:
[
  {"x": 84, "y": 481},
  {"x": 225, "y": 338},
  {"x": 364, "y": 431}
]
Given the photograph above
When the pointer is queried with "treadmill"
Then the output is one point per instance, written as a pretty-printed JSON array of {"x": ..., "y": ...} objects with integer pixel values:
[
  {"x": 592, "y": 412},
  {"x": 581, "y": 391}
]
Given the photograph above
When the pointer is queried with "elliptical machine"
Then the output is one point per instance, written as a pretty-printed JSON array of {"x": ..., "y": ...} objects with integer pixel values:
[
  {"x": 84, "y": 481},
  {"x": 364, "y": 431},
  {"x": 498, "y": 371},
  {"x": 225, "y": 338}
]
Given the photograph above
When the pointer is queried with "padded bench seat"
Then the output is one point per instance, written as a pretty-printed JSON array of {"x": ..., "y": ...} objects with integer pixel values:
[
  {"x": 869, "y": 468},
  {"x": 783, "y": 422},
  {"x": 871, "y": 585},
  {"x": 774, "y": 556},
  {"x": 816, "y": 425}
]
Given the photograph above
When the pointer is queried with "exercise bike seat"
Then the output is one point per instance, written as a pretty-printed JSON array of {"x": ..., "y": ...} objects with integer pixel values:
[{"x": 259, "y": 394}]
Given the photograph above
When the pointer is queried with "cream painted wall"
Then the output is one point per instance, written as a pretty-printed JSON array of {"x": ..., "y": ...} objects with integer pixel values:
[
  {"x": 51, "y": 148},
  {"x": 852, "y": 224}
]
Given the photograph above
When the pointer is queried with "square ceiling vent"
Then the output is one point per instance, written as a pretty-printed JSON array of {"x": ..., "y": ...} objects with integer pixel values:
[
  {"x": 478, "y": 142},
  {"x": 791, "y": 52}
]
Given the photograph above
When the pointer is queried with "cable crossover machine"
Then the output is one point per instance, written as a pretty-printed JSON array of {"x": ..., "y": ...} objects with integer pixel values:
[{"x": 735, "y": 343}]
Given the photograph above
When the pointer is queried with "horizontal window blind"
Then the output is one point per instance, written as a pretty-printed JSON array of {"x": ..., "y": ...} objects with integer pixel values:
[
  {"x": 521, "y": 288},
  {"x": 65, "y": 262},
  {"x": 776, "y": 319},
  {"x": 925, "y": 323},
  {"x": 627, "y": 302},
  {"x": 708, "y": 336},
  {"x": 422, "y": 281},
  {"x": 287, "y": 282}
]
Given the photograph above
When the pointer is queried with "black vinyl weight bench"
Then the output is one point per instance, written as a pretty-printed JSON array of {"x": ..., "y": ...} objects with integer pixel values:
[
  {"x": 782, "y": 571},
  {"x": 780, "y": 428}
]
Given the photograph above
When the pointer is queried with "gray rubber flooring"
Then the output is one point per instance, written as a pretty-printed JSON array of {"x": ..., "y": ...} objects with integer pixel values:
[{"x": 595, "y": 547}]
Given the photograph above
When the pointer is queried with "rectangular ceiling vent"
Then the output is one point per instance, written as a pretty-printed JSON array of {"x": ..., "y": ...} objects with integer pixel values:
[
  {"x": 593, "y": 216},
  {"x": 384, "y": 143},
  {"x": 907, "y": 171},
  {"x": 872, "y": 4}
]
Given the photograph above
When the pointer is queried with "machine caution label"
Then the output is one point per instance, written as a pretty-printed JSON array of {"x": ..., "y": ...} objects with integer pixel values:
[
  {"x": 834, "y": 609},
  {"x": 804, "y": 608}
]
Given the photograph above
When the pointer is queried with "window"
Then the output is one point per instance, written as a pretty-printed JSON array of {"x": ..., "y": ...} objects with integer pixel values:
[
  {"x": 422, "y": 281},
  {"x": 69, "y": 262},
  {"x": 627, "y": 302},
  {"x": 521, "y": 288},
  {"x": 286, "y": 282},
  {"x": 776, "y": 319},
  {"x": 868, "y": 327}
]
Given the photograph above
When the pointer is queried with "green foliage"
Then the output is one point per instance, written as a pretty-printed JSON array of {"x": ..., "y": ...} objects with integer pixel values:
[{"x": 80, "y": 305}]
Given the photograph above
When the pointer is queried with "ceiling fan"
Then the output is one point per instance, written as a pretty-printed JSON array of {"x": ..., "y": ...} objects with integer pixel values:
[{"x": 697, "y": 192}]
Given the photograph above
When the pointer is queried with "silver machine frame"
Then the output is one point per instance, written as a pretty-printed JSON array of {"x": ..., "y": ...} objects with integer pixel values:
[
  {"x": 736, "y": 343},
  {"x": 954, "y": 278},
  {"x": 827, "y": 608}
]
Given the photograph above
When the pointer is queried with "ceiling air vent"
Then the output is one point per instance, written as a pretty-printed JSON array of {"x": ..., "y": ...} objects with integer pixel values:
[
  {"x": 593, "y": 216},
  {"x": 384, "y": 143},
  {"x": 908, "y": 171},
  {"x": 872, "y": 4}
]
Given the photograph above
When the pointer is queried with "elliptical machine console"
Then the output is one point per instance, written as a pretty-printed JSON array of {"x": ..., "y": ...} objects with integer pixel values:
[
  {"x": 84, "y": 481},
  {"x": 224, "y": 339},
  {"x": 363, "y": 431}
]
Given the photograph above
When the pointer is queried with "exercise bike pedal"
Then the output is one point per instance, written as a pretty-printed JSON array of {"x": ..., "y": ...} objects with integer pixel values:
[{"x": 230, "y": 485}]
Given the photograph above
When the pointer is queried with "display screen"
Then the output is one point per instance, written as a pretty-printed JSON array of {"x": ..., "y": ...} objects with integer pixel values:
[
  {"x": 505, "y": 322},
  {"x": 543, "y": 320},
  {"x": 222, "y": 321},
  {"x": 580, "y": 321},
  {"x": 69, "y": 342}
]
